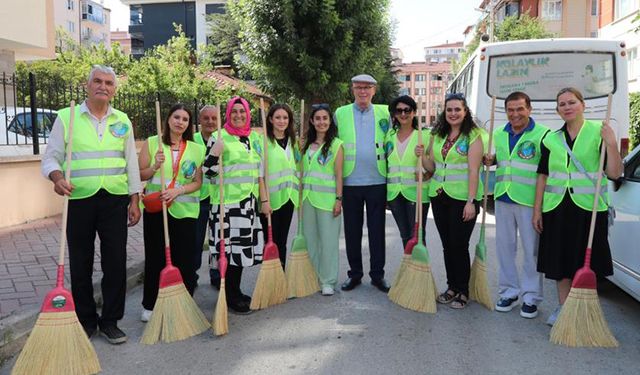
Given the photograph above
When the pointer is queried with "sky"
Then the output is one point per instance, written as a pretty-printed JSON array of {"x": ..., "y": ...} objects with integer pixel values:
[{"x": 418, "y": 23}]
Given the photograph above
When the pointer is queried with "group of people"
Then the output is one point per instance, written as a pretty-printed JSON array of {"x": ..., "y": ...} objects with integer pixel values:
[{"x": 363, "y": 155}]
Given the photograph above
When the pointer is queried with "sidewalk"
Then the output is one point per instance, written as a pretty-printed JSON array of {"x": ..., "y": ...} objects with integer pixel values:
[{"x": 28, "y": 261}]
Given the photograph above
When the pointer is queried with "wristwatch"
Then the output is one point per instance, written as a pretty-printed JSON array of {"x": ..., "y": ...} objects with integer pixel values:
[{"x": 338, "y": 197}]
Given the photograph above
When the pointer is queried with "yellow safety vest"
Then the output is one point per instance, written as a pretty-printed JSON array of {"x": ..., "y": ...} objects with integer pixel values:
[
  {"x": 401, "y": 172},
  {"x": 283, "y": 178},
  {"x": 97, "y": 164},
  {"x": 319, "y": 178},
  {"x": 205, "y": 189}
]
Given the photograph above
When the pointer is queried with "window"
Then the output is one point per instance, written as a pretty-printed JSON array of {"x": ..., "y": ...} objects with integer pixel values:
[
  {"x": 634, "y": 63},
  {"x": 71, "y": 27},
  {"x": 552, "y": 10},
  {"x": 403, "y": 91},
  {"x": 424, "y": 105},
  {"x": 436, "y": 90},
  {"x": 423, "y": 119},
  {"x": 70, "y": 4},
  {"x": 420, "y": 77},
  {"x": 436, "y": 77},
  {"x": 512, "y": 9},
  {"x": 624, "y": 7},
  {"x": 422, "y": 91},
  {"x": 594, "y": 7}
]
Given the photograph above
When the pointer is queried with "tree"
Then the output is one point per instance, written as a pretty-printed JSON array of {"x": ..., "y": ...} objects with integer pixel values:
[
  {"x": 223, "y": 46},
  {"x": 311, "y": 48},
  {"x": 634, "y": 119},
  {"x": 519, "y": 28}
]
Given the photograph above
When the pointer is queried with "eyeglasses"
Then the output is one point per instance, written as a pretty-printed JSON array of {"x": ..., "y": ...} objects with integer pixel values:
[
  {"x": 454, "y": 96},
  {"x": 406, "y": 110},
  {"x": 320, "y": 106}
]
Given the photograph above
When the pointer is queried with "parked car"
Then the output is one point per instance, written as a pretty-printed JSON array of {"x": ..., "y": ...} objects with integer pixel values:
[
  {"x": 16, "y": 127},
  {"x": 624, "y": 235}
]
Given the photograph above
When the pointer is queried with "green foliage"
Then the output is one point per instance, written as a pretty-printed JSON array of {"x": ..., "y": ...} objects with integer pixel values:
[
  {"x": 469, "y": 50},
  {"x": 311, "y": 48},
  {"x": 520, "y": 28},
  {"x": 224, "y": 41},
  {"x": 634, "y": 119}
]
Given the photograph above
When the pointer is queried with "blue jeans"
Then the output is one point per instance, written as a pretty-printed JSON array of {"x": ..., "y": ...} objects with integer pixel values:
[{"x": 404, "y": 213}]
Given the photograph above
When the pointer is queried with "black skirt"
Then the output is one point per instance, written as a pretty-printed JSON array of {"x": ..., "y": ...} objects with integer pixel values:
[{"x": 564, "y": 238}]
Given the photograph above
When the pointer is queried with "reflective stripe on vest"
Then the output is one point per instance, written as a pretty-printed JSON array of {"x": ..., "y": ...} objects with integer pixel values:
[
  {"x": 565, "y": 177},
  {"x": 319, "y": 180},
  {"x": 97, "y": 164},
  {"x": 283, "y": 179},
  {"x": 184, "y": 205},
  {"x": 346, "y": 132},
  {"x": 516, "y": 171},
  {"x": 401, "y": 172},
  {"x": 452, "y": 173},
  {"x": 241, "y": 169}
]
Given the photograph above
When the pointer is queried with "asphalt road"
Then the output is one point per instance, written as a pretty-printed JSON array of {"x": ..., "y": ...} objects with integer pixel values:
[{"x": 362, "y": 332}]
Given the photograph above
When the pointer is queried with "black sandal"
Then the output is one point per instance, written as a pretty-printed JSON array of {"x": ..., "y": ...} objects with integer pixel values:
[
  {"x": 459, "y": 302},
  {"x": 446, "y": 297}
]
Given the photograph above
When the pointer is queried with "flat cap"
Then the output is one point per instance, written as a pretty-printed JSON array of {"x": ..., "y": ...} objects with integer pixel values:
[{"x": 364, "y": 78}]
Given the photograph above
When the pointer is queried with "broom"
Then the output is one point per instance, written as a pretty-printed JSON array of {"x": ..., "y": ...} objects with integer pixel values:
[
  {"x": 581, "y": 322},
  {"x": 416, "y": 289},
  {"x": 175, "y": 315},
  {"x": 271, "y": 286},
  {"x": 394, "y": 291},
  {"x": 58, "y": 344},
  {"x": 301, "y": 277},
  {"x": 478, "y": 284},
  {"x": 220, "y": 317}
]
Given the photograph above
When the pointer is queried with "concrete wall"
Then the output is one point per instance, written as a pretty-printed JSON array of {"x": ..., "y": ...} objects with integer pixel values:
[
  {"x": 27, "y": 28},
  {"x": 26, "y": 195}
]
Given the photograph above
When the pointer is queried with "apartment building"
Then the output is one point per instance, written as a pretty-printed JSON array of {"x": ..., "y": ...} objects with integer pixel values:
[
  {"x": 151, "y": 21},
  {"x": 444, "y": 52},
  {"x": 86, "y": 22},
  {"x": 123, "y": 39},
  {"x": 616, "y": 22},
  {"x": 427, "y": 83}
]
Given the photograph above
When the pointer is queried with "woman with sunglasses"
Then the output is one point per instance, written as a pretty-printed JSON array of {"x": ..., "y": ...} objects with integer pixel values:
[
  {"x": 401, "y": 166},
  {"x": 322, "y": 196},
  {"x": 183, "y": 175},
  {"x": 565, "y": 193},
  {"x": 240, "y": 148},
  {"x": 283, "y": 180},
  {"x": 455, "y": 190}
]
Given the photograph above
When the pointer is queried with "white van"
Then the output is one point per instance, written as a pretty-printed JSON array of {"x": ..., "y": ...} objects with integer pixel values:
[{"x": 624, "y": 235}]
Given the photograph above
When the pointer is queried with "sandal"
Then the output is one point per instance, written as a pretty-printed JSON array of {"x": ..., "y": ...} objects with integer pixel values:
[
  {"x": 459, "y": 301},
  {"x": 447, "y": 296}
]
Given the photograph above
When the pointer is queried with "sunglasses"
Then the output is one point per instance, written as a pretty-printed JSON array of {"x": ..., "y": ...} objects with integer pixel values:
[
  {"x": 406, "y": 110},
  {"x": 454, "y": 96},
  {"x": 320, "y": 106}
]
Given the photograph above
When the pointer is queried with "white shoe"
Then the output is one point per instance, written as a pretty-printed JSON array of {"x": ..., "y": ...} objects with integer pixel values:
[
  {"x": 146, "y": 315},
  {"x": 327, "y": 291},
  {"x": 554, "y": 316}
]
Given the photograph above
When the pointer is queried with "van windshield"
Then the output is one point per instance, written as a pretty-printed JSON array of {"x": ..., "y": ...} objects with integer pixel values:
[{"x": 542, "y": 75}]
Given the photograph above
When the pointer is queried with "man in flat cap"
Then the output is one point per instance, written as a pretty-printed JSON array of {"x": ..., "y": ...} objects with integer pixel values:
[{"x": 362, "y": 127}]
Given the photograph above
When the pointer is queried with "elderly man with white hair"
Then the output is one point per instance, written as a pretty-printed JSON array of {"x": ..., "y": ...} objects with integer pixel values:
[{"x": 103, "y": 198}]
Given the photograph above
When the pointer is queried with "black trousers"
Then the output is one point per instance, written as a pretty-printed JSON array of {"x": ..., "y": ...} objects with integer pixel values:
[
  {"x": 353, "y": 202},
  {"x": 404, "y": 213},
  {"x": 233, "y": 278},
  {"x": 454, "y": 235},
  {"x": 107, "y": 215},
  {"x": 181, "y": 241},
  {"x": 280, "y": 223},
  {"x": 201, "y": 229}
]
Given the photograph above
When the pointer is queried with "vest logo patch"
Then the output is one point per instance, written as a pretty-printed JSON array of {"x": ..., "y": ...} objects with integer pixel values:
[
  {"x": 324, "y": 160},
  {"x": 188, "y": 169},
  {"x": 384, "y": 125},
  {"x": 118, "y": 129},
  {"x": 257, "y": 147},
  {"x": 388, "y": 148},
  {"x": 527, "y": 150},
  {"x": 462, "y": 147}
]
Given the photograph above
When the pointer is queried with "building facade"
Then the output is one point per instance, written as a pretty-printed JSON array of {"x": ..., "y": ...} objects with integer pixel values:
[
  {"x": 151, "y": 21},
  {"x": 426, "y": 83},
  {"x": 123, "y": 40},
  {"x": 447, "y": 52},
  {"x": 616, "y": 22},
  {"x": 85, "y": 22}
]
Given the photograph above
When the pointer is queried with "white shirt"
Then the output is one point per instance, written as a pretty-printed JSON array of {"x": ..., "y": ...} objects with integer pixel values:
[{"x": 53, "y": 157}]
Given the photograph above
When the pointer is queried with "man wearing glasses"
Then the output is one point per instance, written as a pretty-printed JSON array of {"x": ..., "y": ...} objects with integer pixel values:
[
  {"x": 362, "y": 127},
  {"x": 103, "y": 196}
]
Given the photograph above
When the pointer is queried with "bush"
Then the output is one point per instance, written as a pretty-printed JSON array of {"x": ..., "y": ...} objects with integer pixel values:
[{"x": 634, "y": 119}]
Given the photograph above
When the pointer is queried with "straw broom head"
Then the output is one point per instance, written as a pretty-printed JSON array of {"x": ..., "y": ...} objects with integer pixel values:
[{"x": 478, "y": 283}]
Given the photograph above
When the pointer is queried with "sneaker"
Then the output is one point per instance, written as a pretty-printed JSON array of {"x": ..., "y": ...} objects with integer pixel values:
[
  {"x": 506, "y": 304},
  {"x": 554, "y": 316},
  {"x": 214, "y": 277},
  {"x": 90, "y": 331},
  {"x": 528, "y": 311},
  {"x": 113, "y": 334},
  {"x": 146, "y": 315},
  {"x": 239, "y": 307},
  {"x": 327, "y": 291}
]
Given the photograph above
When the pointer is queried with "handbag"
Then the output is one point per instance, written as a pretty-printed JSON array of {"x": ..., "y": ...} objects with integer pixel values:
[{"x": 152, "y": 202}]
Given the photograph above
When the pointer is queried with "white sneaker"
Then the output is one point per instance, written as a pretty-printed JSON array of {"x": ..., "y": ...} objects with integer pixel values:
[
  {"x": 146, "y": 315},
  {"x": 327, "y": 291},
  {"x": 554, "y": 316}
]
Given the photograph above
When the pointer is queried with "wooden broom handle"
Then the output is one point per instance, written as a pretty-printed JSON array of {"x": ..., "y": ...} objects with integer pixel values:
[
  {"x": 165, "y": 219},
  {"x": 596, "y": 197},
  {"x": 67, "y": 177},
  {"x": 419, "y": 172},
  {"x": 266, "y": 160},
  {"x": 221, "y": 179},
  {"x": 486, "y": 168},
  {"x": 300, "y": 184}
]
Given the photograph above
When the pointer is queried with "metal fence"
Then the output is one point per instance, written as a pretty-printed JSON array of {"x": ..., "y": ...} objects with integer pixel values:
[{"x": 28, "y": 103}]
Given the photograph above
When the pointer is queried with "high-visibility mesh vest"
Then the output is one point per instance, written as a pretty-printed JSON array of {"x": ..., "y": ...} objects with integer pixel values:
[
  {"x": 347, "y": 133},
  {"x": 283, "y": 177},
  {"x": 97, "y": 164},
  {"x": 516, "y": 170},
  {"x": 319, "y": 178},
  {"x": 184, "y": 205},
  {"x": 563, "y": 178},
  {"x": 205, "y": 189},
  {"x": 452, "y": 173},
  {"x": 401, "y": 172},
  {"x": 241, "y": 169}
]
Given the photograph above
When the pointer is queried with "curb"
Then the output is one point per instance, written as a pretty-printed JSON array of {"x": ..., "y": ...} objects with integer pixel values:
[{"x": 15, "y": 328}]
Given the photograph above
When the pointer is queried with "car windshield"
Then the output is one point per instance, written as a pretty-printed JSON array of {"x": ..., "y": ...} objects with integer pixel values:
[{"x": 22, "y": 124}]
